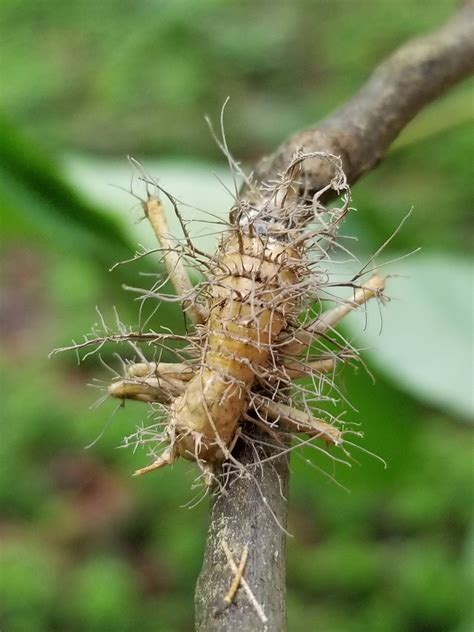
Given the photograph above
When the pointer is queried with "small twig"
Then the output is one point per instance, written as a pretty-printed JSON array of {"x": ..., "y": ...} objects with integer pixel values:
[
  {"x": 229, "y": 598},
  {"x": 235, "y": 569}
]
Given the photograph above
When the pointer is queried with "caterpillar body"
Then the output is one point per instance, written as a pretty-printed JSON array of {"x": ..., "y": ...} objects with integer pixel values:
[{"x": 255, "y": 326}]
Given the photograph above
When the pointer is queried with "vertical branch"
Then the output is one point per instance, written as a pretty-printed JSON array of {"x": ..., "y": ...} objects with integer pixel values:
[{"x": 239, "y": 518}]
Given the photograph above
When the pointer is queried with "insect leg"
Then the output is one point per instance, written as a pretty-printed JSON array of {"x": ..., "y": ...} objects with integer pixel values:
[
  {"x": 167, "y": 458},
  {"x": 298, "y": 368},
  {"x": 328, "y": 320},
  {"x": 158, "y": 382},
  {"x": 174, "y": 370},
  {"x": 155, "y": 213},
  {"x": 296, "y": 420}
]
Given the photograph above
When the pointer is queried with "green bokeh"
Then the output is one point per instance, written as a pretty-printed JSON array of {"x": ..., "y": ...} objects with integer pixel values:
[{"x": 83, "y": 545}]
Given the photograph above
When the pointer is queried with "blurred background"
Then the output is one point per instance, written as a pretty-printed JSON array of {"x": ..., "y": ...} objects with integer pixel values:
[{"x": 84, "y": 546}]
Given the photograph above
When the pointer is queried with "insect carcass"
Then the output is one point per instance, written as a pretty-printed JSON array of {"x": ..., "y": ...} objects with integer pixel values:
[{"x": 256, "y": 330}]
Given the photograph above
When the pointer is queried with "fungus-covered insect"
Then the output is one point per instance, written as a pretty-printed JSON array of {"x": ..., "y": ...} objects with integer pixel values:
[{"x": 256, "y": 327}]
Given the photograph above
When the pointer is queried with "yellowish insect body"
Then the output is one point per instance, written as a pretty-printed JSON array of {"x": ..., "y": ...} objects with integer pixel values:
[{"x": 251, "y": 287}]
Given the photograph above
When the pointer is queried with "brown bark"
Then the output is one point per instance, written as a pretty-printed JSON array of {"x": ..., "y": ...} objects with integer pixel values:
[
  {"x": 360, "y": 133},
  {"x": 239, "y": 517}
]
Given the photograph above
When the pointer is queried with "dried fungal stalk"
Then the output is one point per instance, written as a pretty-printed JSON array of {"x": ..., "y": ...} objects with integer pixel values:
[{"x": 259, "y": 328}]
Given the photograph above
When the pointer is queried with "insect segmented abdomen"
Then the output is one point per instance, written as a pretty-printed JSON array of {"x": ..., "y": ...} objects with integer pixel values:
[{"x": 251, "y": 300}]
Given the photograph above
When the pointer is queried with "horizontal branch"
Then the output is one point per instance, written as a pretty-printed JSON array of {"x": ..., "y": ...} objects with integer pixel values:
[{"x": 362, "y": 130}]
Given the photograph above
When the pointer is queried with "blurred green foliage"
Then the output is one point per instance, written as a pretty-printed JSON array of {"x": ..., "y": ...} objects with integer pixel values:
[
  {"x": 51, "y": 209},
  {"x": 138, "y": 77},
  {"x": 83, "y": 545}
]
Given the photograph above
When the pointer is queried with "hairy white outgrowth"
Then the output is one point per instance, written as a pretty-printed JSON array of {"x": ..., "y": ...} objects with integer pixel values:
[{"x": 255, "y": 330}]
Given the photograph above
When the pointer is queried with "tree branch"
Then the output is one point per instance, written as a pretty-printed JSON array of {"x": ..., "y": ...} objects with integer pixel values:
[
  {"x": 240, "y": 518},
  {"x": 360, "y": 133}
]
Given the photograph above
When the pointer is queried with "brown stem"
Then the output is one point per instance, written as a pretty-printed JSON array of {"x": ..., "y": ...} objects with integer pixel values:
[
  {"x": 240, "y": 518},
  {"x": 360, "y": 133}
]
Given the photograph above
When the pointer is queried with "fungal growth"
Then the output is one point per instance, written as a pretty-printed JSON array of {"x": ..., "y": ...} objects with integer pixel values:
[{"x": 263, "y": 350}]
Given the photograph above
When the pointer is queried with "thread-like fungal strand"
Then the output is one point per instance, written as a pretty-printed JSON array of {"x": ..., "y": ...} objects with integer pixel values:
[{"x": 255, "y": 328}]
